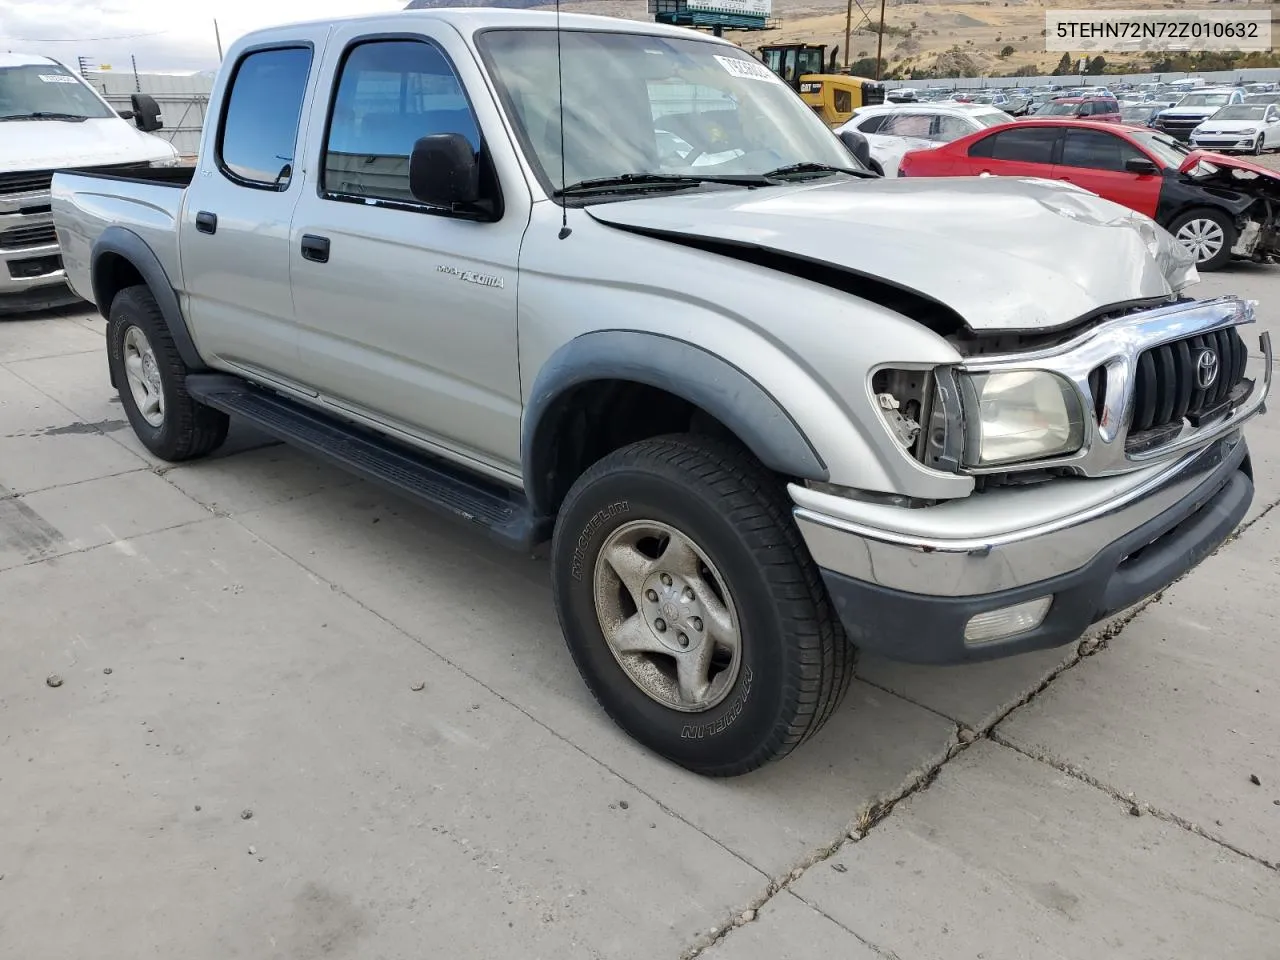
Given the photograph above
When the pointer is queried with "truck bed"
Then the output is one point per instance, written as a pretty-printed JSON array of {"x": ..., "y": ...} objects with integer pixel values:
[{"x": 143, "y": 200}]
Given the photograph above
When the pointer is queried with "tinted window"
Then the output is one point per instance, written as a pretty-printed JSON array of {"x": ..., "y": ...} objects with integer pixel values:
[
  {"x": 1096, "y": 150},
  {"x": 390, "y": 94},
  {"x": 873, "y": 123},
  {"x": 260, "y": 123},
  {"x": 1020, "y": 144}
]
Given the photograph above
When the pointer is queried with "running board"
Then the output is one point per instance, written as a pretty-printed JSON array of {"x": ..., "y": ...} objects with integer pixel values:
[{"x": 446, "y": 488}]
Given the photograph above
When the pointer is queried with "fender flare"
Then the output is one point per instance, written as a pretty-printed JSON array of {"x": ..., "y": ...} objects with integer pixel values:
[
  {"x": 126, "y": 244},
  {"x": 708, "y": 382}
]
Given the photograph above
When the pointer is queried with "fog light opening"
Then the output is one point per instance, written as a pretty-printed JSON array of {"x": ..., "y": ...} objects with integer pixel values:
[{"x": 1006, "y": 621}]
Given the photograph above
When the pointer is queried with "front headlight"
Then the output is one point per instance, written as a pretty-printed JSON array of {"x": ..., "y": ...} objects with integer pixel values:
[
  {"x": 170, "y": 161},
  {"x": 1019, "y": 415},
  {"x": 1247, "y": 131}
]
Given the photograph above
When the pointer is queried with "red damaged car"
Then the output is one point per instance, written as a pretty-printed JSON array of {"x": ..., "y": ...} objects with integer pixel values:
[{"x": 1219, "y": 207}]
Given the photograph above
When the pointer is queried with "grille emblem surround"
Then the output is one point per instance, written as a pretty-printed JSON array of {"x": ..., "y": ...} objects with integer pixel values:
[{"x": 1206, "y": 368}]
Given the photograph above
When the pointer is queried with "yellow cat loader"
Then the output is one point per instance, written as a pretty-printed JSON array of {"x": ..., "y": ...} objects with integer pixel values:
[{"x": 833, "y": 96}]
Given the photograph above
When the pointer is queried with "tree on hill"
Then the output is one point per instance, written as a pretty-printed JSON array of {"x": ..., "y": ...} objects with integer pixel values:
[
  {"x": 1064, "y": 67},
  {"x": 1097, "y": 64},
  {"x": 1007, "y": 51}
]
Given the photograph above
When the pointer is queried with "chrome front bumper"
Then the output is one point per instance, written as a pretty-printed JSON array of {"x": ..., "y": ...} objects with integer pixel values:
[
  {"x": 915, "y": 598},
  {"x": 1011, "y": 555}
]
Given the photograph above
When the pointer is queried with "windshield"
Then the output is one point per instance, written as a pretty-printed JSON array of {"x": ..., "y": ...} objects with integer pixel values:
[
  {"x": 1263, "y": 98},
  {"x": 1241, "y": 111},
  {"x": 47, "y": 88},
  {"x": 1170, "y": 152},
  {"x": 1057, "y": 108},
  {"x": 647, "y": 105},
  {"x": 1135, "y": 113},
  {"x": 1204, "y": 99}
]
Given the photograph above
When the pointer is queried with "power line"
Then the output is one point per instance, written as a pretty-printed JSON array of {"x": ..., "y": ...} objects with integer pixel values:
[{"x": 129, "y": 36}]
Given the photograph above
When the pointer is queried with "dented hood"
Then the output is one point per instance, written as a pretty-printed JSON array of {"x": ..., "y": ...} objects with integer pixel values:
[
  {"x": 1003, "y": 253},
  {"x": 1231, "y": 163}
]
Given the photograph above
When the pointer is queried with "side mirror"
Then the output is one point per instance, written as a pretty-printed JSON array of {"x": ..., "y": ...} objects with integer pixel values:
[
  {"x": 146, "y": 113},
  {"x": 857, "y": 145},
  {"x": 444, "y": 170},
  {"x": 125, "y": 114},
  {"x": 1141, "y": 165}
]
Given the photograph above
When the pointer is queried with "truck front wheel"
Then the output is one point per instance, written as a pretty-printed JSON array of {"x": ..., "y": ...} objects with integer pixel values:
[
  {"x": 151, "y": 379},
  {"x": 692, "y": 608}
]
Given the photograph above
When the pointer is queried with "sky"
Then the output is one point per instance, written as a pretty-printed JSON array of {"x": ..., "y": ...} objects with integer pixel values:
[{"x": 162, "y": 34}]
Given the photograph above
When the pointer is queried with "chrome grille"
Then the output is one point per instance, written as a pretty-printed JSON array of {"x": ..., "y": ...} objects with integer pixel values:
[
  {"x": 15, "y": 238},
  {"x": 31, "y": 181},
  {"x": 1167, "y": 385}
]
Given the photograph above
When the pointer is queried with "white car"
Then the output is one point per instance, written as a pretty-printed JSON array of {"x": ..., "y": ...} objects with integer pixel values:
[
  {"x": 892, "y": 130},
  {"x": 1251, "y": 127}
]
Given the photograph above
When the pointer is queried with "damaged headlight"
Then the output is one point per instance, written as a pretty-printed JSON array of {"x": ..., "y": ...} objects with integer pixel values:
[{"x": 1019, "y": 415}]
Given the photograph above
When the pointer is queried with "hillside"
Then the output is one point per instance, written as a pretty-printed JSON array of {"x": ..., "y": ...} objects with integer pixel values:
[{"x": 917, "y": 31}]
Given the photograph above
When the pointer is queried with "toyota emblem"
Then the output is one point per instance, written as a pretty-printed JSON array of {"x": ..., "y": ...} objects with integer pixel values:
[{"x": 1206, "y": 369}]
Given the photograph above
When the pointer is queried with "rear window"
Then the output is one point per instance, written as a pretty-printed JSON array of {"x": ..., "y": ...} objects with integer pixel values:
[{"x": 1018, "y": 144}]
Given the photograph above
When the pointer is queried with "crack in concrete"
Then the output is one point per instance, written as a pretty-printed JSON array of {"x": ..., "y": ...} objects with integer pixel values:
[
  {"x": 1090, "y": 645},
  {"x": 1128, "y": 799}
]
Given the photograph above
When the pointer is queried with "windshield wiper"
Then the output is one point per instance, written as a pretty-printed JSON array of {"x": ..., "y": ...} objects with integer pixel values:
[
  {"x": 650, "y": 181},
  {"x": 43, "y": 115},
  {"x": 808, "y": 166}
]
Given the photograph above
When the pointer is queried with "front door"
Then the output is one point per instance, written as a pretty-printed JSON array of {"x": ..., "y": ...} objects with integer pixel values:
[
  {"x": 1095, "y": 160},
  {"x": 235, "y": 230},
  {"x": 407, "y": 312}
]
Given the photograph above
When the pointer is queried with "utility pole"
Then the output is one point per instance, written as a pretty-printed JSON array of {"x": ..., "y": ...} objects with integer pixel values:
[
  {"x": 218, "y": 37},
  {"x": 880, "y": 40},
  {"x": 848, "y": 30}
]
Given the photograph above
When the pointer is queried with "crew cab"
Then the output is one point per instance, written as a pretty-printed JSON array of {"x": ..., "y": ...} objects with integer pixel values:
[
  {"x": 51, "y": 118},
  {"x": 1219, "y": 207},
  {"x": 767, "y": 408}
]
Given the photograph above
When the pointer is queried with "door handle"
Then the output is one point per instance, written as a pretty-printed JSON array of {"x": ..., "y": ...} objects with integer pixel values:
[
  {"x": 315, "y": 249},
  {"x": 207, "y": 222}
]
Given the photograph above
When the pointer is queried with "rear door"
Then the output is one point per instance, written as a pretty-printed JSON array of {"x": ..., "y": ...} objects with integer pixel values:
[
  {"x": 234, "y": 236},
  {"x": 1095, "y": 160},
  {"x": 1017, "y": 151}
]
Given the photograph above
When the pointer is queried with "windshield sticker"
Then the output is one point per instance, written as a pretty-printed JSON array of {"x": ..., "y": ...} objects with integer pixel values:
[
  {"x": 748, "y": 69},
  {"x": 56, "y": 78}
]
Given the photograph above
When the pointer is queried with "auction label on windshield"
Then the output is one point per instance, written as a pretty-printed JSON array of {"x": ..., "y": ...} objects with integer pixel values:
[
  {"x": 748, "y": 69},
  {"x": 1135, "y": 31},
  {"x": 56, "y": 78}
]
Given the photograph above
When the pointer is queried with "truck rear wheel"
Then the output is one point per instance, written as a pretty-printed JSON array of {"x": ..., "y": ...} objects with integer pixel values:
[
  {"x": 151, "y": 379},
  {"x": 692, "y": 607}
]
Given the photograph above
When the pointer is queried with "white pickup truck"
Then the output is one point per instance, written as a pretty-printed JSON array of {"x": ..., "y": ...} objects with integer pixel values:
[
  {"x": 615, "y": 286},
  {"x": 51, "y": 118}
]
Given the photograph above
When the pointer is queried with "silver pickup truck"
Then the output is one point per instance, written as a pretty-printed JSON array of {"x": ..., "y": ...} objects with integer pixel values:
[{"x": 615, "y": 287}]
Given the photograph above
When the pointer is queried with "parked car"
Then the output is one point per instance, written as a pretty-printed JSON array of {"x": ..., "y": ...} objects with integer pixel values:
[
  {"x": 52, "y": 119},
  {"x": 902, "y": 95},
  {"x": 767, "y": 411},
  {"x": 1196, "y": 196},
  {"x": 1194, "y": 109},
  {"x": 1262, "y": 98},
  {"x": 1249, "y": 127},
  {"x": 1101, "y": 109},
  {"x": 1139, "y": 114},
  {"x": 891, "y": 130}
]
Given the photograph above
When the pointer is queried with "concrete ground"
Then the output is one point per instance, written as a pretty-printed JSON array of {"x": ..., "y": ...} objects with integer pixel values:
[{"x": 239, "y": 761}]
